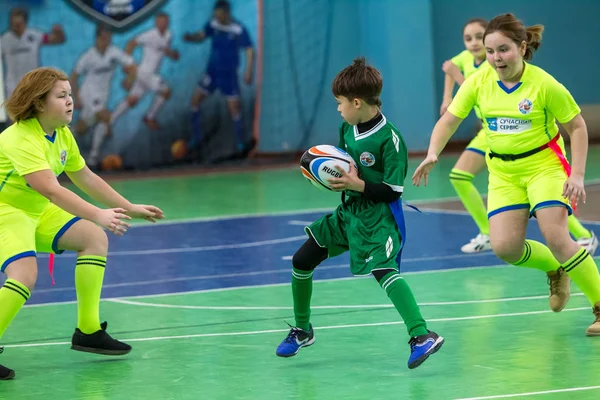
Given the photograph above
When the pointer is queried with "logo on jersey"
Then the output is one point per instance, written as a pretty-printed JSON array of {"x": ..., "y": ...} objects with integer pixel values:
[
  {"x": 525, "y": 106},
  {"x": 367, "y": 159},
  {"x": 119, "y": 14},
  {"x": 508, "y": 125},
  {"x": 63, "y": 157}
]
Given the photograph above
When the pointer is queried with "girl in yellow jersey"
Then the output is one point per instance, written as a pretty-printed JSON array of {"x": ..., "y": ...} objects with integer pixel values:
[
  {"x": 472, "y": 160},
  {"x": 529, "y": 174},
  {"x": 37, "y": 214}
]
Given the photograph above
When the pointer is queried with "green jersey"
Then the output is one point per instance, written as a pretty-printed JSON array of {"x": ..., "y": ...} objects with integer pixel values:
[{"x": 380, "y": 153}]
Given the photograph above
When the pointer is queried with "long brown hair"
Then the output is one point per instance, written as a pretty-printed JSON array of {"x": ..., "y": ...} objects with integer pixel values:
[
  {"x": 28, "y": 96},
  {"x": 514, "y": 29}
]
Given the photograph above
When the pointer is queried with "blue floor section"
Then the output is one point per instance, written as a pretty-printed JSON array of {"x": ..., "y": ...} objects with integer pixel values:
[{"x": 247, "y": 251}]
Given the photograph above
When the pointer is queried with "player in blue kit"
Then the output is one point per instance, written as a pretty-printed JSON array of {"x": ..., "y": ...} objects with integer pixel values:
[{"x": 228, "y": 38}]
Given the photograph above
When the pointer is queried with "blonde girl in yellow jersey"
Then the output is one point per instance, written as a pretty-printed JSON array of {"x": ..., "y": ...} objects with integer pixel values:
[
  {"x": 529, "y": 174},
  {"x": 38, "y": 214},
  {"x": 472, "y": 160}
]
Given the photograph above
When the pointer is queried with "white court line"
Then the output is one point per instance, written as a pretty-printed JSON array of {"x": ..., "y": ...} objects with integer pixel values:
[
  {"x": 176, "y": 250},
  {"x": 244, "y": 333},
  {"x": 331, "y": 307},
  {"x": 323, "y": 210},
  {"x": 506, "y": 396},
  {"x": 251, "y": 273},
  {"x": 299, "y": 223},
  {"x": 269, "y": 285},
  {"x": 195, "y": 249}
]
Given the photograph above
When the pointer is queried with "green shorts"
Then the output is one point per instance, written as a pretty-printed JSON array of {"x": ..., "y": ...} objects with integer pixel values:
[
  {"x": 365, "y": 228},
  {"x": 532, "y": 183},
  {"x": 24, "y": 235}
]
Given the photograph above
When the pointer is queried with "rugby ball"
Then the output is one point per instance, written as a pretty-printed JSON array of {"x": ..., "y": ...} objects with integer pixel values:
[{"x": 318, "y": 164}]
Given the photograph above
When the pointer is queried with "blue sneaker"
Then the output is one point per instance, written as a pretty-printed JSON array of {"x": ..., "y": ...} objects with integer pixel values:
[
  {"x": 295, "y": 340},
  {"x": 421, "y": 347}
]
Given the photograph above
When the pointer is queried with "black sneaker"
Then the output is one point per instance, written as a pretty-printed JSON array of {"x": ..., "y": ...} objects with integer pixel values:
[
  {"x": 98, "y": 342},
  {"x": 5, "y": 373}
]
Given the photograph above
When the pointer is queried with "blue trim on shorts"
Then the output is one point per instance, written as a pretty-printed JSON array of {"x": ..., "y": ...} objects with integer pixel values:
[
  {"x": 29, "y": 253},
  {"x": 60, "y": 233},
  {"x": 548, "y": 204},
  {"x": 473, "y": 149},
  {"x": 508, "y": 208},
  {"x": 398, "y": 213}
]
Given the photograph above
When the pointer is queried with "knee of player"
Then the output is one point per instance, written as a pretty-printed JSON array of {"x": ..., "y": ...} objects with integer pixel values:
[
  {"x": 307, "y": 259},
  {"x": 96, "y": 240},
  {"x": 559, "y": 241},
  {"x": 380, "y": 274},
  {"x": 24, "y": 271},
  {"x": 300, "y": 262},
  {"x": 509, "y": 251}
]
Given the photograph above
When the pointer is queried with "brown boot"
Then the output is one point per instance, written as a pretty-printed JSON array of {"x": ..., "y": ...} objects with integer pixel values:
[
  {"x": 594, "y": 329},
  {"x": 560, "y": 289}
]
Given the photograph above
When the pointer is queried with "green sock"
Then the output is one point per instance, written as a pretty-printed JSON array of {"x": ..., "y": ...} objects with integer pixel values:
[
  {"x": 471, "y": 199},
  {"x": 538, "y": 256},
  {"x": 89, "y": 274},
  {"x": 12, "y": 297},
  {"x": 584, "y": 272},
  {"x": 577, "y": 230},
  {"x": 302, "y": 292},
  {"x": 402, "y": 297}
]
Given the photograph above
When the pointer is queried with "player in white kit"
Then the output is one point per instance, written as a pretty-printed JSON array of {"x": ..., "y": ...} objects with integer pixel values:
[
  {"x": 21, "y": 45},
  {"x": 156, "y": 44},
  {"x": 97, "y": 65}
]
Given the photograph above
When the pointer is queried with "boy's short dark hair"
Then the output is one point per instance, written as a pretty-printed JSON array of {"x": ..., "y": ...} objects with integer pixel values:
[
  {"x": 222, "y": 5},
  {"x": 359, "y": 81}
]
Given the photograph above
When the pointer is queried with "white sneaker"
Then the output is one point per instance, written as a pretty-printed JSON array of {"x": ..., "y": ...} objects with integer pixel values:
[
  {"x": 478, "y": 244},
  {"x": 590, "y": 244}
]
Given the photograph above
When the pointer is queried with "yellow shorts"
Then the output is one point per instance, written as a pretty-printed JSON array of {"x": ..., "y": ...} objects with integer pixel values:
[
  {"x": 532, "y": 182},
  {"x": 479, "y": 143},
  {"x": 24, "y": 235}
]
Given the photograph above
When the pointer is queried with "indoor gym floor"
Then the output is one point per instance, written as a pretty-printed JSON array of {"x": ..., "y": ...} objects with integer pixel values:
[{"x": 204, "y": 296}]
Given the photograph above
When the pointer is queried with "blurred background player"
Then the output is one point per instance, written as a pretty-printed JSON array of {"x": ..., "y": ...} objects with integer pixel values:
[
  {"x": 21, "y": 45},
  {"x": 97, "y": 65},
  {"x": 472, "y": 160},
  {"x": 228, "y": 37},
  {"x": 156, "y": 43}
]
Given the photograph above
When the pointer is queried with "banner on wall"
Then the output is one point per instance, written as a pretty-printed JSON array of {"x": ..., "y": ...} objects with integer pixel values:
[
  {"x": 119, "y": 14},
  {"x": 155, "y": 82}
]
